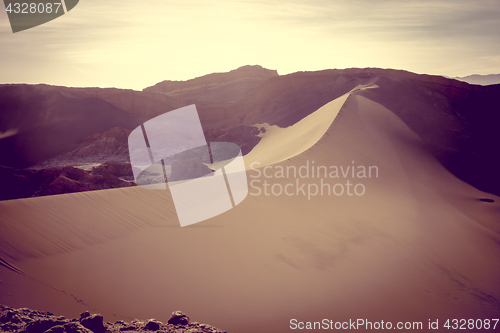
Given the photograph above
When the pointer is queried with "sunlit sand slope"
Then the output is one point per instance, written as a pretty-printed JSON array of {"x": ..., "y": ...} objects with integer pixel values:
[{"x": 417, "y": 245}]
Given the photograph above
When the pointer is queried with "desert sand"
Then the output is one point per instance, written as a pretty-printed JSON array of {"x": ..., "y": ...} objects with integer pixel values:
[{"x": 419, "y": 245}]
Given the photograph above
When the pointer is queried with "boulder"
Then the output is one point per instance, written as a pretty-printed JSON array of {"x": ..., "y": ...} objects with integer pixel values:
[
  {"x": 178, "y": 318},
  {"x": 152, "y": 325},
  {"x": 94, "y": 323},
  {"x": 41, "y": 325},
  {"x": 56, "y": 329},
  {"x": 76, "y": 328}
]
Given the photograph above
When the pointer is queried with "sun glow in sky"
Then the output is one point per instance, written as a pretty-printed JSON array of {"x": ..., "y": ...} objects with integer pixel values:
[{"x": 135, "y": 44}]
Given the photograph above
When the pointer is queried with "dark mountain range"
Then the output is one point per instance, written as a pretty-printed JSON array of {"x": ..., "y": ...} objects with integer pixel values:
[
  {"x": 457, "y": 121},
  {"x": 48, "y": 121}
]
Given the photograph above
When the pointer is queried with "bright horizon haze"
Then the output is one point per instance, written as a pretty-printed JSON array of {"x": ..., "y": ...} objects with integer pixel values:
[{"x": 131, "y": 44}]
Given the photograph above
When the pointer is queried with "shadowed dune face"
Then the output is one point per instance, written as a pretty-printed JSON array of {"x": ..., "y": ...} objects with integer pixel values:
[
  {"x": 457, "y": 123},
  {"x": 408, "y": 249}
]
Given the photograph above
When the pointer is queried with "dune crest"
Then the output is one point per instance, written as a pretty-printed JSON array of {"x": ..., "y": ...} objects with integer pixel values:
[{"x": 279, "y": 144}]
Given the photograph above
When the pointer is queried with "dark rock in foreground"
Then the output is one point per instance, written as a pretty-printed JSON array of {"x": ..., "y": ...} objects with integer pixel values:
[
  {"x": 95, "y": 323},
  {"x": 32, "y": 321},
  {"x": 179, "y": 318},
  {"x": 25, "y": 183}
]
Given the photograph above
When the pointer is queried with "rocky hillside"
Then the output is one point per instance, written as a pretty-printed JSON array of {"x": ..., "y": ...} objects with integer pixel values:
[
  {"x": 44, "y": 127},
  {"x": 32, "y": 321},
  {"x": 110, "y": 146},
  {"x": 25, "y": 183}
]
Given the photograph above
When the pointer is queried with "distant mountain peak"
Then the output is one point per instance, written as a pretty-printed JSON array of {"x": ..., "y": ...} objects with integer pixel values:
[
  {"x": 257, "y": 69},
  {"x": 480, "y": 79},
  {"x": 221, "y": 87}
]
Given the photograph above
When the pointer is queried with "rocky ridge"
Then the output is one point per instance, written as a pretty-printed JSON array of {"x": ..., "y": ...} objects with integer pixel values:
[
  {"x": 217, "y": 87},
  {"x": 32, "y": 321}
]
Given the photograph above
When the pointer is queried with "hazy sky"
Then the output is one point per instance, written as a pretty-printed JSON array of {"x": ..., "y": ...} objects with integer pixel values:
[{"x": 134, "y": 44}]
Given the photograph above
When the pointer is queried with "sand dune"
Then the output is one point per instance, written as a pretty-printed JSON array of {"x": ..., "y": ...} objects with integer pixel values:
[
  {"x": 418, "y": 244},
  {"x": 279, "y": 144}
]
